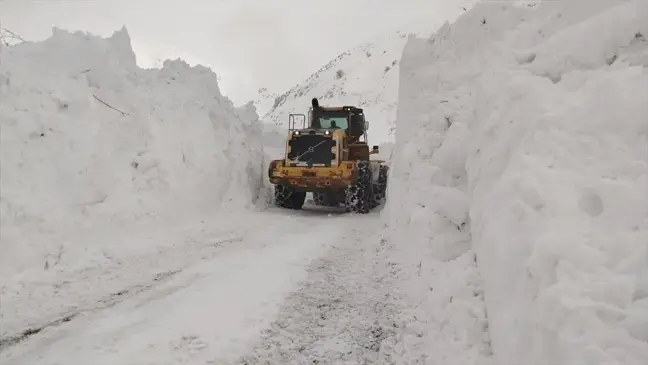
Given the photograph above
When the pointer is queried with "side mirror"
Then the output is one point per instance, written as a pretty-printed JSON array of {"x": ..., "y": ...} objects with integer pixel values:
[
  {"x": 374, "y": 150},
  {"x": 366, "y": 125}
]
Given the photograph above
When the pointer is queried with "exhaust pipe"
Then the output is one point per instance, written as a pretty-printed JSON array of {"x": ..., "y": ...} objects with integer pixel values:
[{"x": 316, "y": 111}]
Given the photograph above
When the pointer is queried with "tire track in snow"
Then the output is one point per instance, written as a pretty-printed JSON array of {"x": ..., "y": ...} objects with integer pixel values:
[
  {"x": 104, "y": 303},
  {"x": 342, "y": 313},
  {"x": 373, "y": 301},
  {"x": 38, "y": 306}
]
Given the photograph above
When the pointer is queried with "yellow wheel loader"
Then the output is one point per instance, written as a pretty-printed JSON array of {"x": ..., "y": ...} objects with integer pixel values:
[{"x": 329, "y": 157}]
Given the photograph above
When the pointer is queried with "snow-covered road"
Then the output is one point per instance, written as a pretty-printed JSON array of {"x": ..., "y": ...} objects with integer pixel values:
[
  {"x": 212, "y": 308},
  {"x": 342, "y": 314}
]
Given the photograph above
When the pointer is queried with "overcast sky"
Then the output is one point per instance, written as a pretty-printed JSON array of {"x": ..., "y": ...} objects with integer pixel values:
[{"x": 248, "y": 43}]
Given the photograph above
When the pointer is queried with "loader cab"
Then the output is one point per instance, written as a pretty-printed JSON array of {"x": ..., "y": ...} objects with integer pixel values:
[
  {"x": 347, "y": 118},
  {"x": 351, "y": 120}
]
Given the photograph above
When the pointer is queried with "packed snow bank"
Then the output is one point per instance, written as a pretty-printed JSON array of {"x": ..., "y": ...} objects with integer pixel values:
[
  {"x": 523, "y": 137},
  {"x": 92, "y": 143}
]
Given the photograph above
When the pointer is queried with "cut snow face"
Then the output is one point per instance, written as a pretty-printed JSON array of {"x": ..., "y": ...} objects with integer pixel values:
[
  {"x": 91, "y": 142},
  {"x": 522, "y": 138}
]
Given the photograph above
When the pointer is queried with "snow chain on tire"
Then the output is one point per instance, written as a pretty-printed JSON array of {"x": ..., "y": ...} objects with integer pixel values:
[
  {"x": 287, "y": 197},
  {"x": 380, "y": 187},
  {"x": 359, "y": 196}
]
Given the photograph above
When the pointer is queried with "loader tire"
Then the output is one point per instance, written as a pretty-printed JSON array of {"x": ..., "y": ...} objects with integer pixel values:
[
  {"x": 359, "y": 196},
  {"x": 287, "y": 197},
  {"x": 380, "y": 187},
  {"x": 297, "y": 200}
]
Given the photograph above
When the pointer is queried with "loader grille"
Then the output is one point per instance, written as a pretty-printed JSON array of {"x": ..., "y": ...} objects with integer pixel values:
[{"x": 311, "y": 149}]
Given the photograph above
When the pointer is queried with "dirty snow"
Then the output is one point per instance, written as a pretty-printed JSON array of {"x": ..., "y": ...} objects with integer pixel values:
[
  {"x": 526, "y": 147},
  {"x": 344, "y": 313},
  {"x": 355, "y": 307}
]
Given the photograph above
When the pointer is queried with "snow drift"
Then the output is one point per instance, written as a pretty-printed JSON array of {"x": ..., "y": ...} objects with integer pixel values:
[
  {"x": 521, "y": 157},
  {"x": 92, "y": 143}
]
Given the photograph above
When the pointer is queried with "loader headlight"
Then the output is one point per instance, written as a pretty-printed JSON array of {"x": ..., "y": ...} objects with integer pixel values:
[{"x": 295, "y": 133}]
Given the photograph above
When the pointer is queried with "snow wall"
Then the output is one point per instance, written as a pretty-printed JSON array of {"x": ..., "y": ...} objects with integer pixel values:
[
  {"x": 168, "y": 146},
  {"x": 524, "y": 127}
]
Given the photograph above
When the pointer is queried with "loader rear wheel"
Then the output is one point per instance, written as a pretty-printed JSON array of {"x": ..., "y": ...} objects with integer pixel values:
[
  {"x": 359, "y": 196},
  {"x": 287, "y": 197}
]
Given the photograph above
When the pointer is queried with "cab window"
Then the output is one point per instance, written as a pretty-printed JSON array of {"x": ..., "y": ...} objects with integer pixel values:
[{"x": 333, "y": 120}]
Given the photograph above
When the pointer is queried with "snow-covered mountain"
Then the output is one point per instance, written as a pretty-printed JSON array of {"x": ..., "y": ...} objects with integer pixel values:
[
  {"x": 265, "y": 100},
  {"x": 366, "y": 76}
]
